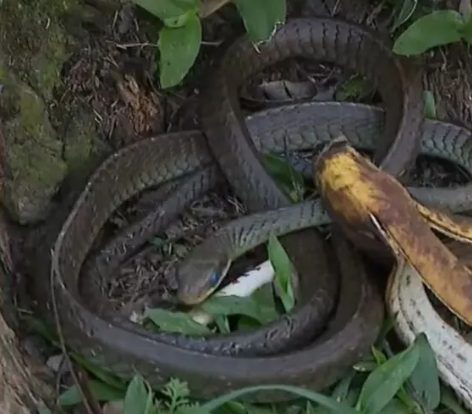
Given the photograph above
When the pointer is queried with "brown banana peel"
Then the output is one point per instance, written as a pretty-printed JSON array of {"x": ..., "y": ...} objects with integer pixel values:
[{"x": 366, "y": 201}]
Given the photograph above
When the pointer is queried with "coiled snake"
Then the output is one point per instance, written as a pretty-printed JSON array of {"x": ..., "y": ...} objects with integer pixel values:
[{"x": 339, "y": 312}]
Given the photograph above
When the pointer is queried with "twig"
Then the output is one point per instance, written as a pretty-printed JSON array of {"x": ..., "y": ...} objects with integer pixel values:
[{"x": 60, "y": 334}]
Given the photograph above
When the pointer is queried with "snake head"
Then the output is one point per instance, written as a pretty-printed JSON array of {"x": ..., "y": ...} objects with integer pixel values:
[{"x": 199, "y": 277}]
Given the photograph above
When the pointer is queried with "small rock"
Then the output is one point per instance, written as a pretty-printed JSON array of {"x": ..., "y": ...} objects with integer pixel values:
[{"x": 55, "y": 362}]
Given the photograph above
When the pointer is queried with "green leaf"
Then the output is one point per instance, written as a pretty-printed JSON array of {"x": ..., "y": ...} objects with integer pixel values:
[
  {"x": 379, "y": 356},
  {"x": 99, "y": 372},
  {"x": 435, "y": 29},
  {"x": 407, "y": 9},
  {"x": 101, "y": 392},
  {"x": 396, "y": 407},
  {"x": 284, "y": 270},
  {"x": 337, "y": 408},
  {"x": 425, "y": 377},
  {"x": 261, "y": 17},
  {"x": 177, "y": 322},
  {"x": 341, "y": 390},
  {"x": 466, "y": 30},
  {"x": 41, "y": 410},
  {"x": 179, "y": 48},
  {"x": 42, "y": 328},
  {"x": 449, "y": 400},
  {"x": 222, "y": 323},
  {"x": 289, "y": 179},
  {"x": 179, "y": 21},
  {"x": 384, "y": 382},
  {"x": 166, "y": 9},
  {"x": 429, "y": 105},
  {"x": 235, "y": 305},
  {"x": 137, "y": 397}
]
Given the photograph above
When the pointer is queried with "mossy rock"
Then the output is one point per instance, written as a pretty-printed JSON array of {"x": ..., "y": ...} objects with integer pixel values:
[
  {"x": 44, "y": 141},
  {"x": 33, "y": 39},
  {"x": 33, "y": 163}
]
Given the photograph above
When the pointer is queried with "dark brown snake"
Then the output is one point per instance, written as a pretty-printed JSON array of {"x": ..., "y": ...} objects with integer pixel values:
[{"x": 343, "y": 311}]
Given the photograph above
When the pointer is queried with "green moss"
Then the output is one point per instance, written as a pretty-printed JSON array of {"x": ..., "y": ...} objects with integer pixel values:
[
  {"x": 83, "y": 151},
  {"x": 33, "y": 158},
  {"x": 32, "y": 36}
]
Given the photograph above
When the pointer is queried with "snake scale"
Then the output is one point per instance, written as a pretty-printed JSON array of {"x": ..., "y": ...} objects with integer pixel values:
[{"x": 347, "y": 312}]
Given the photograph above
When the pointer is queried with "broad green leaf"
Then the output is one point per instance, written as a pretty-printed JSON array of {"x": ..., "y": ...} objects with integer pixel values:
[
  {"x": 425, "y": 377},
  {"x": 235, "y": 305},
  {"x": 179, "y": 21},
  {"x": 406, "y": 10},
  {"x": 384, "y": 382},
  {"x": 396, "y": 407},
  {"x": 41, "y": 410},
  {"x": 261, "y": 17},
  {"x": 290, "y": 180},
  {"x": 177, "y": 322},
  {"x": 179, "y": 48},
  {"x": 429, "y": 105},
  {"x": 435, "y": 29},
  {"x": 284, "y": 270},
  {"x": 137, "y": 397},
  {"x": 101, "y": 392},
  {"x": 466, "y": 30},
  {"x": 166, "y": 9},
  {"x": 449, "y": 400},
  {"x": 337, "y": 408}
]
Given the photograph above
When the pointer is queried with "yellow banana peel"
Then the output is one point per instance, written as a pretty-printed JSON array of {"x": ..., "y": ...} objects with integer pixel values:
[{"x": 367, "y": 201}]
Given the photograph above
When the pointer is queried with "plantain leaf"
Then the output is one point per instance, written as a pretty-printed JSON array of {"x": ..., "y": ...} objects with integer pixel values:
[
  {"x": 178, "y": 322},
  {"x": 138, "y": 399},
  {"x": 251, "y": 306},
  {"x": 179, "y": 47},
  {"x": 435, "y": 29},
  {"x": 425, "y": 377},
  {"x": 386, "y": 380},
  {"x": 261, "y": 17}
]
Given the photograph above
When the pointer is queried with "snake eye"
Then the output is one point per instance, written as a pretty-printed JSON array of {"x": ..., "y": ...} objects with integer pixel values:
[{"x": 214, "y": 279}]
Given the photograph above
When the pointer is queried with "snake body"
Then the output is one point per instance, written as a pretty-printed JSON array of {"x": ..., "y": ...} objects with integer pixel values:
[
  {"x": 159, "y": 160},
  {"x": 316, "y": 123}
]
